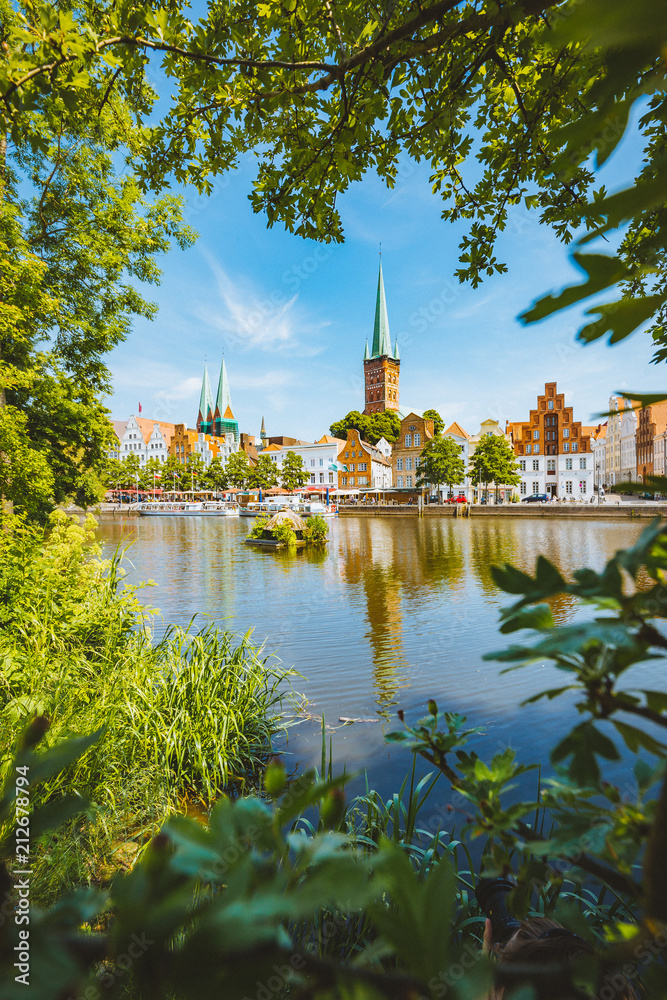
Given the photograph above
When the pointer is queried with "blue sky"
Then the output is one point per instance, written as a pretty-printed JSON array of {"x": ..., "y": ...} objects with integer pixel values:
[{"x": 292, "y": 316}]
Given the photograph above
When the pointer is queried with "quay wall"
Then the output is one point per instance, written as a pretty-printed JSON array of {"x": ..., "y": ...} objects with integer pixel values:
[{"x": 606, "y": 512}]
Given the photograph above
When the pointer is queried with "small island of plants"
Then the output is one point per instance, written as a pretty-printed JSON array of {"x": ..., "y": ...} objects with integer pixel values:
[{"x": 287, "y": 530}]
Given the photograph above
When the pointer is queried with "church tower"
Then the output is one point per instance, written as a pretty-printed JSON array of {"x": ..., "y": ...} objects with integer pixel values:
[
  {"x": 223, "y": 416},
  {"x": 381, "y": 364},
  {"x": 205, "y": 415}
]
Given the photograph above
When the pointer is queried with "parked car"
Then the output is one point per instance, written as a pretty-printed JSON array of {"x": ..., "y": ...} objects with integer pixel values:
[{"x": 536, "y": 498}]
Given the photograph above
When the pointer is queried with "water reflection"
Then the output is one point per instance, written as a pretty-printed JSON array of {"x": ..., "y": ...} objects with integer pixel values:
[{"x": 392, "y": 611}]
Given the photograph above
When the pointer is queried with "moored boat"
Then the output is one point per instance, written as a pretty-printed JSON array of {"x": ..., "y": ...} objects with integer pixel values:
[{"x": 186, "y": 508}]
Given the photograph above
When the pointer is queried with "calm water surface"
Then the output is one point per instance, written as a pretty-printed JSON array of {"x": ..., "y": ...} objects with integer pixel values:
[{"x": 394, "y": 612}]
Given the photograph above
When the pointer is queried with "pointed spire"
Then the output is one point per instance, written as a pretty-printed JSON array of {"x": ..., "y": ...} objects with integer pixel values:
[
  {"x": 381, "y": 340},
  {"x": 262, "y": 432},
  {"x": 223, "y": 401},
  {"x": 396, "y": 354},
  {"x": 205, "y": 417},
  {"x": 366, "y": 352}
]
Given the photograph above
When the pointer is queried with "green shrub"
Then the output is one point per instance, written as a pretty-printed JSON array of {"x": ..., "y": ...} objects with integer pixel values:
[
  {"x": 316, "y": 531},
  {"x": 258, "y": 527},
  {"x": 283, "y": 533}
]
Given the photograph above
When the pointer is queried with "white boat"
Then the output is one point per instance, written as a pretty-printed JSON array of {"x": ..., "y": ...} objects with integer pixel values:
[
  {"x": 268, "y": 507},
  {"x": 313, "y": 508},
  {"x": 304, "y": 508},
  {"x": 188, "y": 508}
]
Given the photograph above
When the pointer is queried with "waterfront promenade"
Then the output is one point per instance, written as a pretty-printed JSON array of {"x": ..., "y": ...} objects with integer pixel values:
[{"x": 605, "y": 511}]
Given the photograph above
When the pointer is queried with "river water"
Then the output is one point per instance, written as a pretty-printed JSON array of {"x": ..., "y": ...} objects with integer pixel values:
[{"x": 395, "y": 611}]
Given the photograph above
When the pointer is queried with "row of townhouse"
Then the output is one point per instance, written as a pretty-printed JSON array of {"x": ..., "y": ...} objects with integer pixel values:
[
  {"x": 635, "y": 443},
  {"x": 554, "y": 452},
  {"x": 148, "y": 439}
]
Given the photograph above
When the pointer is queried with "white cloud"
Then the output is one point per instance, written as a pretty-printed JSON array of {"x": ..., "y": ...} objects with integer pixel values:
[{"x": 254, "y": 319}]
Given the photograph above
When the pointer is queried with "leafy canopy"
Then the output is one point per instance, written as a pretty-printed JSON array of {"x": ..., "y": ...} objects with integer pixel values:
[
  {"x": 440, "y": 462},
  {"x": 493, "y": 462},
  {"x": 371, "y": 426},
  {"x": 293, "y": 474}
]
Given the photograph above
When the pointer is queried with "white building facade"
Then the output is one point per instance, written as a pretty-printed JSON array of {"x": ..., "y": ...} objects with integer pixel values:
[
  {"x": 320, "y": 459},
  {"x": 146, "y": 439},
  {"x": 628, "y": 436},
  {"x": 573, "y": 474}
]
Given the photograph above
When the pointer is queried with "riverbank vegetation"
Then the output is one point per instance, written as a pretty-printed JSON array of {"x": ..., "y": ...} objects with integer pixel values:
[
  {"x": 296, "y": 892},
  {"x": 180, "y": 719}
]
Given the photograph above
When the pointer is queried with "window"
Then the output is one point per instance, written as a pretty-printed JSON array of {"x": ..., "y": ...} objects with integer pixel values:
[
  {"x": 312, "y": 461},
  {"x": 321, "y": 477},
  {"x": 575, "y": 446},
  {"x": 551, "y": 404},
  {"x": 352, "y": 467},
  {"x": 536, "y": 449},
  {"x": 582, "y": 463},
  {"x": 536, "y": 435},
  {"x": 363, "y": 466},
  {"x": 566, "y": 446},
  {"x": 312, "y": 478},
  {"x": 343, "y": 480},
  {"x": 331, "y": 477},
  {"x": 418, "y": 440},
  {"x": 522, "y": 465},
  {"x": 321, "y": 461},
  {"x": 566, "y": 432},
  {"x": 523, "y": 489},
  {"x": 536, "y": 487},
  {"x": 568, "y": 486},
  {"x": 399, "y": 464},
  {"x": 551, "y": 465},
  {"x": 399, "y": 480},
  {"x": 408, "y": 440},
  {"x": 408, "y": 480},
  {"x": 351, "y": 480},
  {"x": 536, "y": 466},
  {"x": 568, "y": 463},
  {"x": 529, "y": 448},
  {"x": 582, "y": 486},
  {"x": 363, "y": 480},
  {"x": 347, "y": 454},
  {"x": 408, "y": 463}
]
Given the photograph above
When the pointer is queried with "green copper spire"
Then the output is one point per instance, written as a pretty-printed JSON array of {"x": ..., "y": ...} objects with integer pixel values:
[
  {"x": 366, "y": 352},
  {"x": 205, "y": 417},
  {"x": 381, "y": 341},
  {"x": 396, "y": 354},
  {"x": 223, "y": 400}
]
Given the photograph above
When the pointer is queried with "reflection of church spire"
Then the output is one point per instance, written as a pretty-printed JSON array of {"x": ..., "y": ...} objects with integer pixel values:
[{"x": 205, "y": 415}]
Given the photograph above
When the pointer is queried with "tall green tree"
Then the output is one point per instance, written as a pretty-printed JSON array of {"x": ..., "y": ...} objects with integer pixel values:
[
  {"x": 438, "y": 422},
  {"x": 216, "y": 476},
  {"x": 77, "y": 237},
  {"x": 238, "y": 469},
  {"x": 194, "y": 471},
  {"x": 173, "y": 474},
  {"x": 440, "y": 462},
  {"x": 263, "y": 474},
  {"x": 371, "y": 426},
  {"x": 494, "y": 462},
  {"x": 293, "y": 474}
]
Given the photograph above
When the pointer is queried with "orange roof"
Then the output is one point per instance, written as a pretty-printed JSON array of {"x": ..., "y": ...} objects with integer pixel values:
[
  {"x": 328, "y": 439},
  {"x": 272, "y": 447},
  {"x": 119, "y": 427},
  {"x": 457, "y": 429},
  {"x": 146, "y": 427}
]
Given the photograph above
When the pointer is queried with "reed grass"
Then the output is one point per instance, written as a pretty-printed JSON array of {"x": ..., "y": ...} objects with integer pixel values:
[{"x": 182, "y": 718}]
